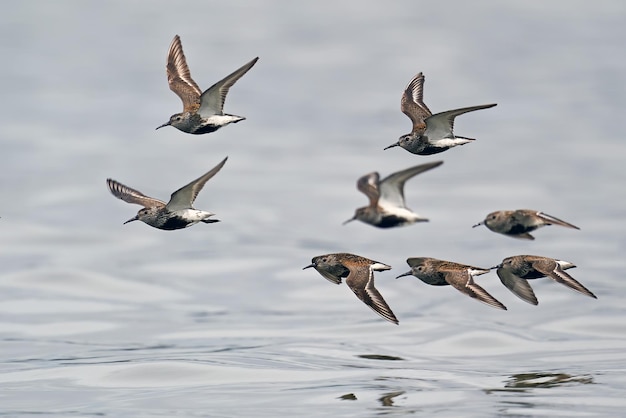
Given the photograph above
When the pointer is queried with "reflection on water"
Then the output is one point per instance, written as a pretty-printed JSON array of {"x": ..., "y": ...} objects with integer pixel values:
[
  {"x": 379, "y": 357},
  {"x": 387, "y": 399},
  {"x": 521, "y": 382}
]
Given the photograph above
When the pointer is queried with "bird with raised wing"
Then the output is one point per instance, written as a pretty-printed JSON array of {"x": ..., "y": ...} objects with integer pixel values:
[
  {"x": 387, "y": 207},
  {"x": 178, "y": 213},
  {"x": 202, "y": 112}
]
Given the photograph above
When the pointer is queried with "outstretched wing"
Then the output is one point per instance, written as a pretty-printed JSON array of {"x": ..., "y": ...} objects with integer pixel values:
[
  {"x": 463, "y": 281},
  {"x": 553, "y": 270},
  {"x": 441, "y": 125},
  {"x": 212, "y": 100},
  {"x": 361, "y": 281},
  {"x": 131, "y": 195},
  {"x": 412, "y": 103},
  {"x": 555, "y": 221},
  {"x": 517, "y": 285},
  {"x": 184, "y": 197},
  {"x": 391, "y": 188},
  {"x": 179, "y": 77},
  {"x": 368, "y": 184}
]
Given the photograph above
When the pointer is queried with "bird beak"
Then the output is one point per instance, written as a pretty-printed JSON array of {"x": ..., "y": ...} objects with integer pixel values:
[
  {"x": 408, "y": 273},
  {"x": 309, "y": 266},
  {"x": 165, "y": 124},
  {"x": 478, "y": 224},
  {"x": 495, "y": 267},
  {"x": 349, "y": 220},
  {"x": 136, "y": 218},
  {"x": 397, "y": 144}
]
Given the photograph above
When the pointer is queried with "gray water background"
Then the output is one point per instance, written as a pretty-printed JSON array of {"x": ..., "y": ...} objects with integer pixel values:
[{"x": 103, "y": 319}]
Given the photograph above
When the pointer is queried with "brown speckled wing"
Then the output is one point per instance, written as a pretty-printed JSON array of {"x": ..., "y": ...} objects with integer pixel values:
[
  {"x": 553, "y": 270},
  {"x": 361, "y": 281},
  {"x": 179, "y": 77},
  {"x": 412, "y": 103},
  {"x": 463, "y": 281}
]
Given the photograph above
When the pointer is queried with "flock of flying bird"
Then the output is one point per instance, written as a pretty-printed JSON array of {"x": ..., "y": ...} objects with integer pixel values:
[{"x": 431, "y": 134}]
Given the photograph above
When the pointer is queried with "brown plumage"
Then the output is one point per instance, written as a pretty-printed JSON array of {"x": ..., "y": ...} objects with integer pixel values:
[
  {"x": 460, "y": 276},
  {"x": 514, "y": 271},
  {"x": 359, "y": 274}
]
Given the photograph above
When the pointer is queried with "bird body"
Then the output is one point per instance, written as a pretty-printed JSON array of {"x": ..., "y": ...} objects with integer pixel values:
[
  {"x": 387, "y": 207},
  {"x": 460, "y": 276},
  {"x": 431, "y": 134},
  {"x": 178, "y": 213},
  {"x": 359, "y": 274},
  {"x": 519, "y": 223},
  {"x": 202, "y": 111},
  {"x": 516, "y": 270}
]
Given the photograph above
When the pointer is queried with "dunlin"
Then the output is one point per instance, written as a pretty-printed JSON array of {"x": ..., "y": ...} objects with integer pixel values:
[
  {"x": 515, "y": 271},
  {"x": 387, "y": 207},
  {"x": 202, "y": 112},
  {"x": 178, "y": 213},
  {"x": 518, "y": 223},
  {"x": 460, "y": 276},
  {"x": 359, "y": 274},
  {"x": 431, "y": 134}
]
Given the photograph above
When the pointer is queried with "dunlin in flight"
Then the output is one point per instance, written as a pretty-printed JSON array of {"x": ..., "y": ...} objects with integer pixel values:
[
  {"x": 515, "y": 271},
  {"x": 202, "y": 112},
  {"x": 518, "y": 223},
  {"x": 359, "y": 274},
  {"x": 460, "y": 276},
  {"x": 431, "y": 134},
  {"x": 178, "y": 213},
  {"x": 387, "y": 207}
]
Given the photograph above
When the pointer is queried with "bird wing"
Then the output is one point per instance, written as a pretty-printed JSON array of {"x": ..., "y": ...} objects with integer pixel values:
[
  {"x": 556, "y": 221},
  {"x": 329, "y": 276},
  {"x": 412, "y": 103},
  {"x": 441, "y": 125},
  {"x": 463, "y": 281},
  {"x": 368, "y": 184},
  {"x": 553, "y": 270},
  {"x": 130, "y": 195},
  {"x": 212, "y": 100},
  {"x": 179, "y": 77},
  {"x": 517, "y": 285},
  {"x": 391, "y": 188},
  {"x": 184, "y": 197},
  {"x": 361, "y": 281}
]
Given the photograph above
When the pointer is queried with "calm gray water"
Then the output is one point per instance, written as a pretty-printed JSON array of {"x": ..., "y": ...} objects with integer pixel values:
[{"x": 103, "y": 319}]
